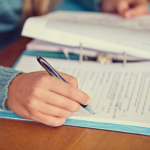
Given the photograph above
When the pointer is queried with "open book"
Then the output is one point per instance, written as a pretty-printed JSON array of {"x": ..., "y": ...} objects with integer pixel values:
[
  {"x": 97, "y": 31},
  {"x": 120, "y": 96}
]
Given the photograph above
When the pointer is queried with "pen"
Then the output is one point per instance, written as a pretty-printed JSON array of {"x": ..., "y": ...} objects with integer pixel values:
[{"x": 54, "y": 73}]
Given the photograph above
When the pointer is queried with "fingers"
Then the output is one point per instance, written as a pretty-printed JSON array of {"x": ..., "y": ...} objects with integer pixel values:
[
  {"x": 46, "y": 119},
  {"x": 70, "y": 79},
  {"x": 49, "y": 83},
  {"x": 122, "y": 6},
  {"x": 44, "y": 79},
  {"x": 51, "y": 110},
  {"x": 70, "y": 92},
  {"x": 136, "y": 11},
  {"x": 64, "y": 95},
  {"x": 138, "y": 8},
  {"x": 61, "y": 101}
]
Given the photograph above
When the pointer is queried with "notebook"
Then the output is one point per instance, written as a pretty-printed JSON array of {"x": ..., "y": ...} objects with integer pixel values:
[
  {"x": 97, "y": 31},
  {"x": 120, "y": 95}
]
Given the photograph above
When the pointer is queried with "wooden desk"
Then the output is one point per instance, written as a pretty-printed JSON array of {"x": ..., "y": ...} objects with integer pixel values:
[{"x": 22, "y": 135}]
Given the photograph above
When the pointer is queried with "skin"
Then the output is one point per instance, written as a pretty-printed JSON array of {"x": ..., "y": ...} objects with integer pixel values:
[
  {"x": 40, "y": 97},
  {"x": 125, "y": 8}
]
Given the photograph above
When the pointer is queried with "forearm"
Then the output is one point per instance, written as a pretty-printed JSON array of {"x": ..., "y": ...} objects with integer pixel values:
[
  {"x": 90, "y": 4},
  {"x": 6, "y": 76}
]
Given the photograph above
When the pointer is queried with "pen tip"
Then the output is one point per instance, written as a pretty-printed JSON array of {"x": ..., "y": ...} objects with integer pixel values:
[
  {"x": 89, "y": 108},
  {"x": 92, "y": 112}
]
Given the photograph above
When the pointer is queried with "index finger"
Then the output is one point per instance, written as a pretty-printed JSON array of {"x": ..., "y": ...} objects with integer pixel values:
[
  {"x": 70, "y": 91},
  {"x": 70, "y": 79}
]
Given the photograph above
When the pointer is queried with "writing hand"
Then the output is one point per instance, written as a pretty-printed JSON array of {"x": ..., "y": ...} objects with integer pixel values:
[
  {"x": 125, "y": 8},
  {"x": 40, "y": 97}
]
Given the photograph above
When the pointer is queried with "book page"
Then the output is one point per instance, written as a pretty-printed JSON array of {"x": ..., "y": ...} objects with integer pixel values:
[
  {"x": 119, "y": 95},
  {"x": 100, "y": 31}
]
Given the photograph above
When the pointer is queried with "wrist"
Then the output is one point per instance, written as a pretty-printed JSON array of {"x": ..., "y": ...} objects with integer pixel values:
[{"x": 12, "y": 88}]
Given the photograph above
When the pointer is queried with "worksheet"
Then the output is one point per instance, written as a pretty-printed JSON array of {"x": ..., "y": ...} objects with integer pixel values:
[{"x": 119, "y": 95}]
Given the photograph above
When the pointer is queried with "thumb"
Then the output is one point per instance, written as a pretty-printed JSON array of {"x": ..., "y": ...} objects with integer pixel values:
[{"x": 122, "y": 6}]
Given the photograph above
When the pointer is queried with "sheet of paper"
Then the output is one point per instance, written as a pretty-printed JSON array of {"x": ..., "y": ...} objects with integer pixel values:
[
  {"x": 119, "y": 95},
  {"x": 105, "y": 32}
]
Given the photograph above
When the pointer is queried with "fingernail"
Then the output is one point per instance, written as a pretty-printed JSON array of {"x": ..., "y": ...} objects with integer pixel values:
[{"x": 88, "y": 101}]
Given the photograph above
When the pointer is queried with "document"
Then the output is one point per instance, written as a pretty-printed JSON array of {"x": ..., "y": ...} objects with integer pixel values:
[
  {"x": 119, "y": 95},
  {"x": 99, "y": 31}
]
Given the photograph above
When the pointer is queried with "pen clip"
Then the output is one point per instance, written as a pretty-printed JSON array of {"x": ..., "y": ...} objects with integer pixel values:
[{"x": 46, "y": 66}]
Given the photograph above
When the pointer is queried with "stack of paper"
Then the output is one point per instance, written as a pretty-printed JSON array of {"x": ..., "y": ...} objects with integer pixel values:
[{"x": 44, "y": 46}]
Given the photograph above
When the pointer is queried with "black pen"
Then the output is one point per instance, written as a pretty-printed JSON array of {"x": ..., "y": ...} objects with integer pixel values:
[{"x": 54, "y": 73}]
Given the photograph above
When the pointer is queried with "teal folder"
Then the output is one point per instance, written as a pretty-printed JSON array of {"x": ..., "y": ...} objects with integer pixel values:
[{"x": 73, "y": 122}]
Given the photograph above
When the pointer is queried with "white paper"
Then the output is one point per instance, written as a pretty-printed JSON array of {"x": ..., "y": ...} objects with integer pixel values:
[
  {"x": 105, "y": 32},
  {"x": 119, "y": 95}
]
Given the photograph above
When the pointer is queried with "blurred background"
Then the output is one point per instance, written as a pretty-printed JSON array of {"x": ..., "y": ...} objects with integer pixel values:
[{"x": 38, "y": 7}]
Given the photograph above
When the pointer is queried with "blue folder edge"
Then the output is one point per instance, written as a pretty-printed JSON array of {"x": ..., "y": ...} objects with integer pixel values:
[{"x": 81, "y": 123}]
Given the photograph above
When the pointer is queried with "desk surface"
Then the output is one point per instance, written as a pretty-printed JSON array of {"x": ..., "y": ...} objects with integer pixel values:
[{"x": 20, "y": 135}]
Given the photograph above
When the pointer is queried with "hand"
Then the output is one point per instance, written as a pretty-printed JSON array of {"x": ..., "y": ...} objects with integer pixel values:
[
  {"x": 125, "y": 8},
  {"x": 43, "y": 98}
]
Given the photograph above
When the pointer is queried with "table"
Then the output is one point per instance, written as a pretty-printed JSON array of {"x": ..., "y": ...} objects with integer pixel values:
[{"x": 22, "y": 135}]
